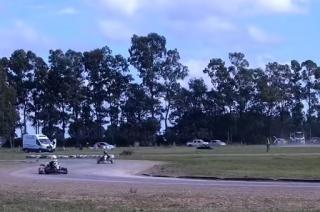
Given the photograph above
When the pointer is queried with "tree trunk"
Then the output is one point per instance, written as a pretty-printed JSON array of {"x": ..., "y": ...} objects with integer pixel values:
[
  {"x": 21, "y": 129},
  {"x": 75, "y": 112},
  {"x": 63, "y": 122},
  {"x": 11, "y": 143},
  {"x": 24, "y": 119},
  {"x": 167, "y": 115},
  {"x": 309, "y": 114},
  {"x": 152, "y": 99},
  {"x": 281, "y": 120}
]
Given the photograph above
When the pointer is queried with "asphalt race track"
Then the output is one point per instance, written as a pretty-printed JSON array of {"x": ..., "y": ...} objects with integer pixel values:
[{"x": 128, "y": 172}]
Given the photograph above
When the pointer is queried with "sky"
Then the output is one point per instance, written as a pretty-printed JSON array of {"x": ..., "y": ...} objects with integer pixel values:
[{"x": 265, "y": 30}]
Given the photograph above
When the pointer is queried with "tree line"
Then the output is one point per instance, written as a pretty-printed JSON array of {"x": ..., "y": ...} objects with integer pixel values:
[{"x": 101, "y": 96}]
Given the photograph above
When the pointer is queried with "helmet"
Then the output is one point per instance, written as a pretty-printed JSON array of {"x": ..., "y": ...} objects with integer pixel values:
[{"x": 54, "y": 157}]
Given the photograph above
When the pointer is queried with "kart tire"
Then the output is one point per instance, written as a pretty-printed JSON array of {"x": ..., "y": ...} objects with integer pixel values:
[{"x": 63, "y": 171}]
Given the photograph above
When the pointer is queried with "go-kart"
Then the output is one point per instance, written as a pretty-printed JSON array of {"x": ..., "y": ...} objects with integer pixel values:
[
  {"x": 49, "y": 169},
  {"x": 105, "y": 159}
]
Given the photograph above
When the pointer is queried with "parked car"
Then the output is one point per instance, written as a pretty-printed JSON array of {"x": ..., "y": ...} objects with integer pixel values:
[
  {"x": 103, "y": 145},
  {"x": 217, "y": 143},
  {"x": 314, "y": 140},
  {"x": 197, "y": 143},
  {"x": 297, "y": 138},
  {"x": 204, "y": 146}
]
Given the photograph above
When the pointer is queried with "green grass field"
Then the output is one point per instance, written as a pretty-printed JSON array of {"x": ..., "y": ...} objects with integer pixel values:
[
  {"x": 33, "y": 202},
  {"x": 224, "y": 162},
  {"x": 236, "y": 162}
]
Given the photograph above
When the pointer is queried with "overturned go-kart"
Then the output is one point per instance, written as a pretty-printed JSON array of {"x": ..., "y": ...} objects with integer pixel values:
[
  {"x": 47, "y": 169},
  {"x": 105, "y": 159}
]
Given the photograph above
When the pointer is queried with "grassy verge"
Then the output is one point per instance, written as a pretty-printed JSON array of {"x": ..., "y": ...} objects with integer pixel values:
[
  {"x": 19, "y": 202},
  {"x": 230, "y": 161},
  {"x": 236, "y": 162},
  {"x": 185, "y": 202},
  {"x": 33, "y": 202}
]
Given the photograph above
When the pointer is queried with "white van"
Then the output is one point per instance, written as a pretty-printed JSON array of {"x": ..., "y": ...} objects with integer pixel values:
[
  {"x": 197, "y": 143},
  {"x": 297, "y": 138},
  {"x": 37, "y": 143}
]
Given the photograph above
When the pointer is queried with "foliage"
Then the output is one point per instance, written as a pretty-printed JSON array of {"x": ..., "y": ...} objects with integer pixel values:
[
  {"x": 93, "y": 96},
  {"x": 7, "y": 108}
]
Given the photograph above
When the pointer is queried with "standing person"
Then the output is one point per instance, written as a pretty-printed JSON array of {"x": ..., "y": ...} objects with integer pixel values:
[{"x": 268, "y": 145}]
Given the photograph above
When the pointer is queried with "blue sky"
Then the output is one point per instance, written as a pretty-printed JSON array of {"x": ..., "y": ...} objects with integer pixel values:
[{"x": 265, "y": 30}]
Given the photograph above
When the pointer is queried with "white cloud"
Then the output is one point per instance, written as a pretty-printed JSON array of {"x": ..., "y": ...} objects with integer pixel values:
[
  {"x": 26, "y": 31},
  {"x": 196, "y": 67},
  {"x": 262, "y": 59},
  {"x": 208, "y": 27},
  {"x": 22, "y": 35},
  {"x": 68, "y": 11},
  {"x": 235, "y": 7},
  {"x": 216, "y": 23},
  {"x": 127, "y": 7},
  {"x": 283, "y": 6},
  {"x": 261, "y": 36},
  {"x": 115, "y": 30},
  {"x": 195, "y": 19}
]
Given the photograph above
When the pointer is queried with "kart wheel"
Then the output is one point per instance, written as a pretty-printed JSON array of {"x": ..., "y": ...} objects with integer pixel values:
[{"x": 111, "y": 161}]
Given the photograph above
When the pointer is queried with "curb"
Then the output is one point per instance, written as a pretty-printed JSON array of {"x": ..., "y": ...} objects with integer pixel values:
[
  {"x": 63, "y": 156},
  {"x": 248, "y": 179}
]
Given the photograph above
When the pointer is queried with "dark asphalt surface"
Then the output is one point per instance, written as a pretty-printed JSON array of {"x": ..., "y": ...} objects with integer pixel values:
[{"x": 126, "y": 172}]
